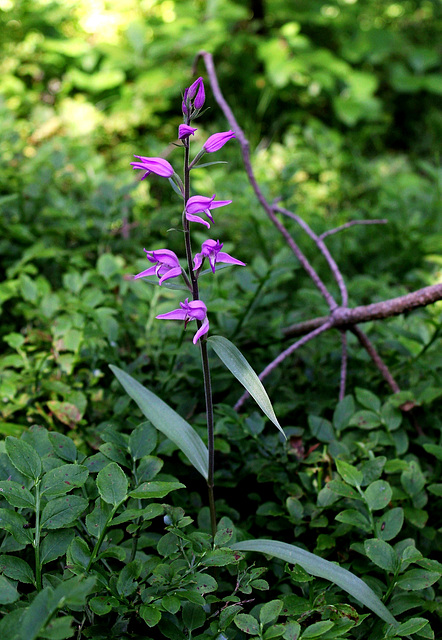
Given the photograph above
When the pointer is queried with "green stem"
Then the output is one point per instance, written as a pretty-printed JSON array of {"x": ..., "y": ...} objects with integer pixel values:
[
  {"x": 101, "y": 538},
  {"x": 37, "y": 537}
]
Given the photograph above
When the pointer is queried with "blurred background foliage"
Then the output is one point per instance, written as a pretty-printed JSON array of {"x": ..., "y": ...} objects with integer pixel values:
[{"x": 341, "y": 103}]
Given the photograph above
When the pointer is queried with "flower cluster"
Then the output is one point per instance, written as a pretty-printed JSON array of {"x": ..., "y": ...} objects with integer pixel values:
[{"x": 165, "y": 263}]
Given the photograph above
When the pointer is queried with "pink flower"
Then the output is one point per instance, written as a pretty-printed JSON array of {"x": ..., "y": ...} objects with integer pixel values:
[
  {"x": 184, "y": 131},
  {"x": 217, "y": 141},
  {"x": 154, "y": 165},
  {"x": 166, "y": 265},
  {"x": 212, "y": 249},
  {"x": 194, "y": 310},
  {"x": 196, "y": 90},
  {"x": 198, "y": 204}
]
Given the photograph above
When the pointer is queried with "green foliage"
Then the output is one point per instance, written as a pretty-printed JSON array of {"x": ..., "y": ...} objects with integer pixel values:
[{"x": 341, "y": 103}]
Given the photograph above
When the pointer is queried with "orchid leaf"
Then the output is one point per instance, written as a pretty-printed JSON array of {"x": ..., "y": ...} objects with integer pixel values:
[
  {"x": 208, "y": 164},
  {"x": 243, "y": 372},
  {"x": 167, "y": 421},
  {"x": 320, "y": 568}
]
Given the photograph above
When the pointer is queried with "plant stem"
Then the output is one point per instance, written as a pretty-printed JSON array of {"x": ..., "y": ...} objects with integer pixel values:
[
  {"x": 101, "y": 538},
  {"x": 37, "y": 536},
  {"x": 203, "y": 346}
]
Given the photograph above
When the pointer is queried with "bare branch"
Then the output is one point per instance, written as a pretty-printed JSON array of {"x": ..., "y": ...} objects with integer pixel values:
[
  {"x": 344, "y": 360},
  {"x": 374, "y": 355},
  {"x": 352, "y": 223},
  {"x": 323, "y": 249},
  {"x": 282, "y": 356}
]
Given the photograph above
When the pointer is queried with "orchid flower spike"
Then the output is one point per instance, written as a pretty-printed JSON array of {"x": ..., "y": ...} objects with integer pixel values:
[
  {"x": 193, "y": 310},
  {"x": 184, "y": 131},
  {"x": 217, "y": 141},
  {"x": 166, "y": 265},
  {"x": 211, "y": 249},
  {"x": 154, "y": 165},
  {"x": 198, "y": 204},
  {"x": 196, "y": 93}
]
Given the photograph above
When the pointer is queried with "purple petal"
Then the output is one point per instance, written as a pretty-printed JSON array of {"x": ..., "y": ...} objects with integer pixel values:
[
  {"x": 176, "y": 314},
  {"x": 184, "y": 131},
  {"x": 171, "y": 273},
  {"x": 198, "y": 260},
  {"x": 147, "y": 272},
  {"x": 225, "y": 257},
  {"x": 219, "y": 203},
  {"x": 155, "y": 165},
  {"x": 204, "y": 329},
  {"x": 217, "y": 140},
  {"x": 197, "y": 309},
  {"x": 192, "y": 218},
  {"x": 165, "y": 256},
  {"x": 196, "y": 204}
]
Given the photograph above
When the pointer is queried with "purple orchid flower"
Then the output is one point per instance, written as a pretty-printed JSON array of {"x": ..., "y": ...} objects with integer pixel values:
[
  {"x": 184, "y": 131},
  {"x": 217, "y": 141},
  {"x": 166, "y": 265},
  {"x": 196, "y": 90},
  {"x": 193, "y": 310},
  {"x": 197, "y": 204},
  {"x": 212, "y": 249},
  {"x": 154, "y": 165}
]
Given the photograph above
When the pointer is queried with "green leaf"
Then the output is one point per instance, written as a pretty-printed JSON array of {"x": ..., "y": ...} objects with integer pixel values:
[
  {"x": 127, "y": 580},
  {"x": 142, "y": 441},
  {"x": 61, "y": 512},
  {"x": 413, "y": 625},
  {"x": 247, "y": 623},
  {"x": 355, "y": 518},
  {"x": 167, "y": 421},
  {"x": 97, "y": 519},
  {"x": 8, "y": 592},
  {"x": 343, "y": 489},
  {"x": 55, "y": 544},
  {"x": 434, "y": 449},
  {"x": 112, "y": 484},
  {"x": 381, "y": 553},
  {"x": 150, "y": 614},
  {"x": 317, "y": 629},
  {"x": 37, "y": 614},
  {"x": 151, "y": 511},
  {"x": 343, "y": 412},
  {"x": 23, "y": 457},
  {"x": 243, "y": 372},
  {"x": 367, "y": 399},
  {"x": 417, "y": 579},
  {"x": 15, "y": 524},
  {"x": 171, "y": 604},
  {"x": 220, "y": 558},
  {"x": 321, "y": 568},
  {"x": 63, "y": 446},
  {"x": 222, "y": 537},
  {"x": 193, "y": 616},
  {"x": 17, "y": 569},
  {"x": 59, "y": 481},
  {"x": 155, "y": 489},
  {"x": 365, "y": 420},
  {"x": 58, "y": 629},
  {"x": 378, "y": 495},
  {"x": 78, "y": 553},
  {"x": 102, "y": 605},
  {"x": 16, "y": 494},
  {"x": 349, "y": 473},
  {"x": 389, "y": 524},
  {"x": 270, "y": 611}
]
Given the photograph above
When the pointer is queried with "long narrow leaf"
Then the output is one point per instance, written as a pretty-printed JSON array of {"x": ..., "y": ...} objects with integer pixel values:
[
  {"x": 243, "y": 372},
  {"x": 321, "y": 568},
  {"x": 167, "y": 421}
]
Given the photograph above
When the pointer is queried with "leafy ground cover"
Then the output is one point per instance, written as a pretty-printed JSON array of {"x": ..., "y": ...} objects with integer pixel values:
[{"x": 105, "y": 525}]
